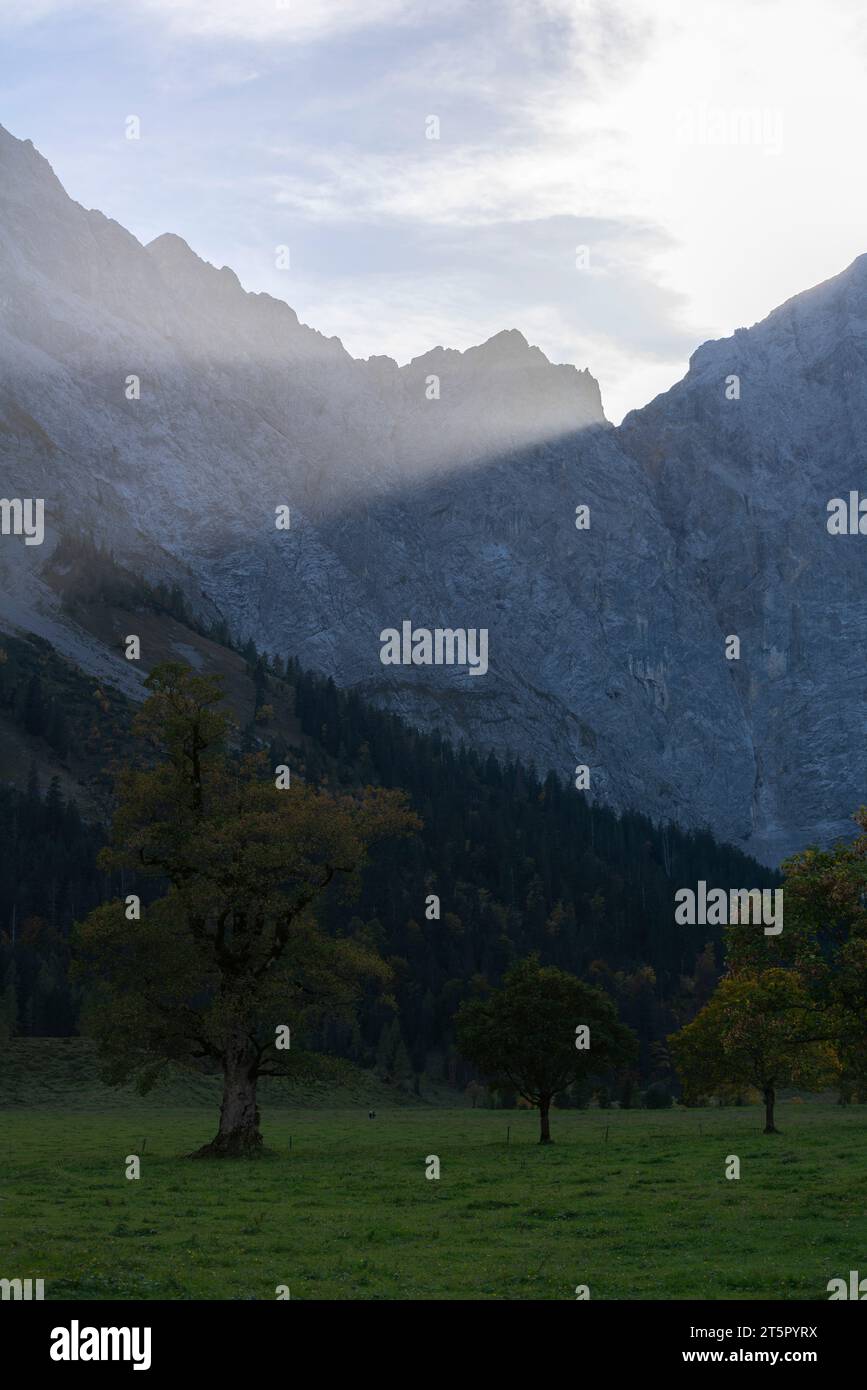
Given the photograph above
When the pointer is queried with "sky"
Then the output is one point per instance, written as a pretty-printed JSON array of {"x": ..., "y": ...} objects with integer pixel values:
[{"x": 620, "y": 182}]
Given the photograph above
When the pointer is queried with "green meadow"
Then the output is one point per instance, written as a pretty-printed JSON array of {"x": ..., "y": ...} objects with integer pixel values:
[{"x": 635, "y": 1204}]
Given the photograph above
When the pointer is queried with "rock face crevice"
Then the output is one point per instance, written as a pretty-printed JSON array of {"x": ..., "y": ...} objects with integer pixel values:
[{"x": 445, "y": 493}]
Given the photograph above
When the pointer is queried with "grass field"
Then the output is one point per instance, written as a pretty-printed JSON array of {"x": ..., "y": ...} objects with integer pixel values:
[{"x": 348, "y": 1213}]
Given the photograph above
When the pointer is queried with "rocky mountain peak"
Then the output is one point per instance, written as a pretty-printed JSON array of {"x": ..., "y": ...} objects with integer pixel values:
[{"x": 445, "y": 491}]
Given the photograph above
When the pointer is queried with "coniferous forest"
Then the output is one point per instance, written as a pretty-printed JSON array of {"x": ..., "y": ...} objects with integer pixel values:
[{"x": 507, "y": 863}]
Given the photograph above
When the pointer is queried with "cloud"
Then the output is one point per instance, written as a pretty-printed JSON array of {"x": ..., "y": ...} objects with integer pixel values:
[
  {"x": 466, "y": 185},
  {"x": 255, "y": 21},
  {"x": 275, "y": 20},
  {"x": 399, "y": 289}
]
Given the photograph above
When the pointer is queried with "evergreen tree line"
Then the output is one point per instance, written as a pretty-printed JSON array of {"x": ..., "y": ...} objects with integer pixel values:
[
  {"x": 520, "y": 863},
  {"x": 48, "y": 879},
  {"x": 33, "y": 709},
  {"x": 91, "y": 574}
]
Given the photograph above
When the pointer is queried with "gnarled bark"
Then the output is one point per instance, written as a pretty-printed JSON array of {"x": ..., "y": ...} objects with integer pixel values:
[{"x": 238, "y": 1135}]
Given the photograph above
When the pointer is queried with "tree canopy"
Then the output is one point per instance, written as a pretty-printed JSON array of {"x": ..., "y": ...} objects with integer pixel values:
[
  {"x": 541, "y": 1031},
  {"x": 230, "y": 950},
  {"x": 759, "y": 1029}
]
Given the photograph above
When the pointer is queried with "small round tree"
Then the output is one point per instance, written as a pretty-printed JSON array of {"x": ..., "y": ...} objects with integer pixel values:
[
  {"x": 542, "y": 1030},
  {"x": 759, "y": 1029}
]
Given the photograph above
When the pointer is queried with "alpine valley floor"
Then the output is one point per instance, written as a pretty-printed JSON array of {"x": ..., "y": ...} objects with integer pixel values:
[{"x": 633, "y": 1204}]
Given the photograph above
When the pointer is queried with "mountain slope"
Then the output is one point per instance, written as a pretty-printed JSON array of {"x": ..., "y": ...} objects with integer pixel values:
[
  {"x": 445, "y": 493},
  {"x": 744, "y": 486}
]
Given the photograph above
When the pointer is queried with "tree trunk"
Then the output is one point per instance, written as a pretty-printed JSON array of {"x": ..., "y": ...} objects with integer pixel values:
[
  {"x": 545, "y": 1128},
  {"x": 770, "y": 1098},
  {"x": 238, "y": 1135}
]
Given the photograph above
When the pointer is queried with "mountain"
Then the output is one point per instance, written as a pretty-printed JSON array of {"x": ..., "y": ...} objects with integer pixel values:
[
  {"x": 743, "y": 487},
  {"x": 445, "y": 493}
]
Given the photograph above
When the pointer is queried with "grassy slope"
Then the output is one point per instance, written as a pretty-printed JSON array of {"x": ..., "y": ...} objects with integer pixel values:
[
  {"x": 348, "y": 1213},
  {"x": 46, "y": 1072}
]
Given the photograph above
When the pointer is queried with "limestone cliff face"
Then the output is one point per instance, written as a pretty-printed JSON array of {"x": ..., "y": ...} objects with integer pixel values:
[
  {"x": 445, "y": 493},
  {"x": 743, "y": 487}
]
